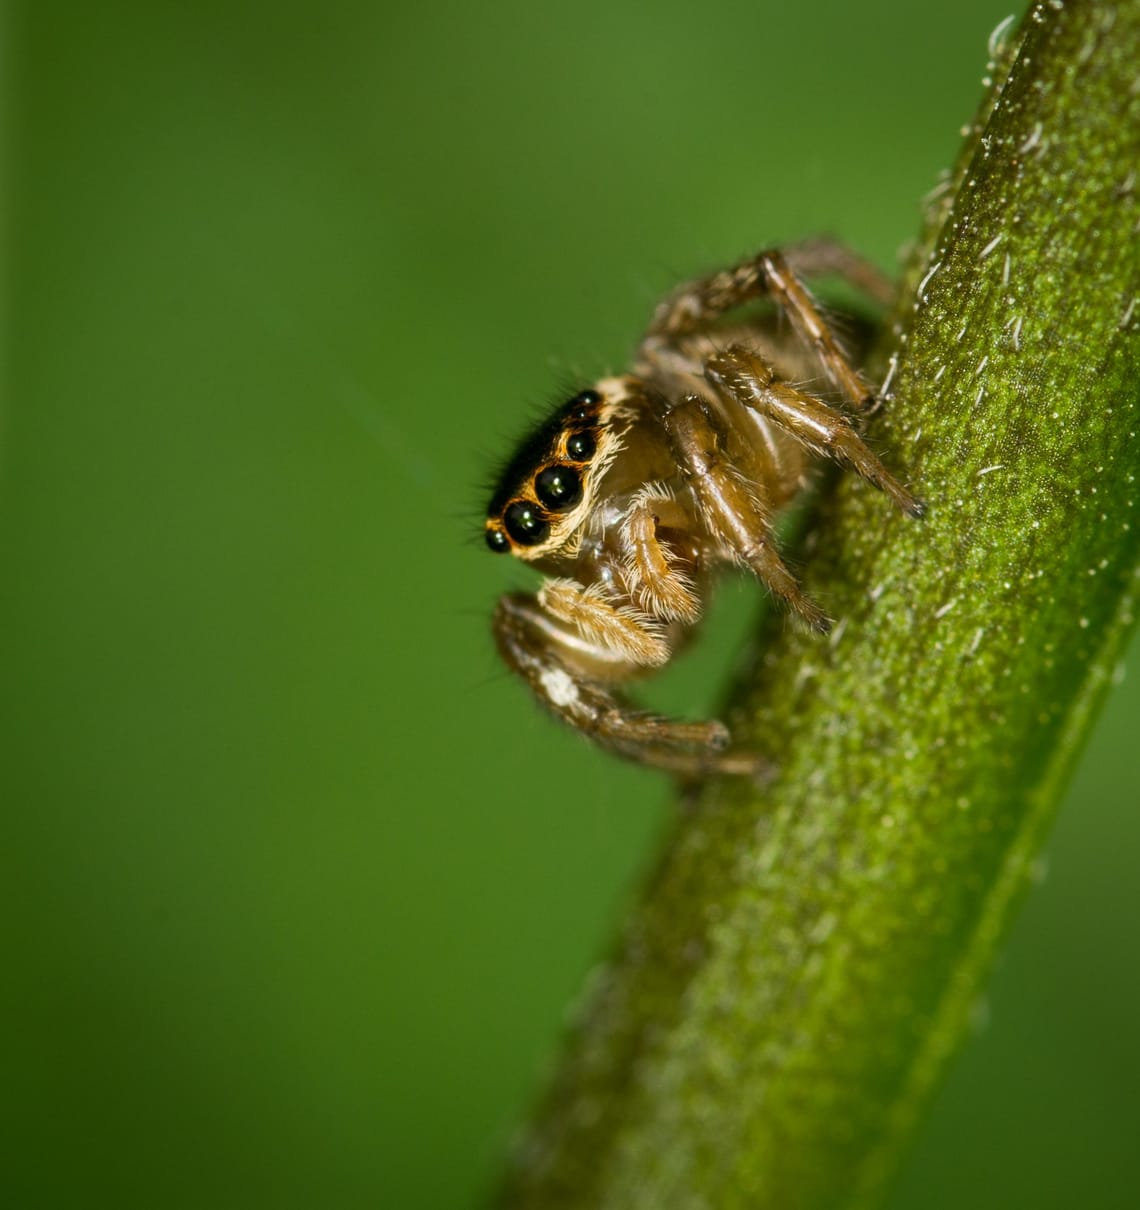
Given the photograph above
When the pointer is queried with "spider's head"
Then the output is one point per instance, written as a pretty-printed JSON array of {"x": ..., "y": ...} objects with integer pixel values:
[{"x": 547, "y": 490}]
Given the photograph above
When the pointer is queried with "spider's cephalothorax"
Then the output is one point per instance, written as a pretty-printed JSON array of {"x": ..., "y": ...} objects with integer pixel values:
[{"x": 636, "y": 490}]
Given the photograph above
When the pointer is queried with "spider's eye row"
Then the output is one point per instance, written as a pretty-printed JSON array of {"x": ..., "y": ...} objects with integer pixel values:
[
  {"x": 583, "y": 404},
  {"x": 558, "y": 487},
  {"x": 497, "y": 540},
  {"x": 581, "y": 446},
  {"x": 525, "y": 523}
]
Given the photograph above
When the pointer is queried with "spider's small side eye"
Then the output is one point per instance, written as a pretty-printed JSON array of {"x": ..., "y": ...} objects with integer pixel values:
[
  {"x": 497, "y": 540},
  {"x": 584, "y": 401},
  {"x": 558, "y": 487},
  {"x": 581, "y": 446},
  {"x": 525, "y": 523}
]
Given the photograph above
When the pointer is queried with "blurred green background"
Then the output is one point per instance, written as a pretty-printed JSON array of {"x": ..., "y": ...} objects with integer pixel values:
[{"x": 298, "y": 884}]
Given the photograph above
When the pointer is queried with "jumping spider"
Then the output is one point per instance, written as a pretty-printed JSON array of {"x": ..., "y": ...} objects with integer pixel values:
[{"x": 632, "y": 494}]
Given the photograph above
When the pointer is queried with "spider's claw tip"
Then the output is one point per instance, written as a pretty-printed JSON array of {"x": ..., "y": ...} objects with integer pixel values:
[
  {"x": 916, "y": 508},
  {"x": 718, "y": 736},
  {"x": 818, "y": 621}
]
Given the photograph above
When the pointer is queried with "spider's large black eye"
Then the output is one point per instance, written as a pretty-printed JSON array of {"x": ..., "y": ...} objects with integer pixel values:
[
  {"x": 558, "y": 487},
  {"x": 497, "y": 540},
  {"x": 525, "y": 524},
  {"x": 581, "y": 446}
]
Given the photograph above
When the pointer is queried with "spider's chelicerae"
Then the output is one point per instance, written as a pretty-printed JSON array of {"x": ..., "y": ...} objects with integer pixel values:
[{"x": 636, "y": 490}]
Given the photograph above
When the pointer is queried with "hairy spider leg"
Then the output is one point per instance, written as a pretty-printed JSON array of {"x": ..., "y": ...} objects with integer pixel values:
[
  {"x": 656, "y": 580},
  {"x": 741, "y": 375},
  {"x": 768, "y": 274},
  {"x": 741, "y": 520},
  {"x": 539, "y": 650},
  {"x": 622, "y": 629},
  {"x": 826, "y": 255}
]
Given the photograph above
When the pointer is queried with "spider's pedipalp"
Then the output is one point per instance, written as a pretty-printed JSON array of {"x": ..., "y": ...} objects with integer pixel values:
[
  {"x": 657, "y": 578},
  {"x": 623, "y": 629}
]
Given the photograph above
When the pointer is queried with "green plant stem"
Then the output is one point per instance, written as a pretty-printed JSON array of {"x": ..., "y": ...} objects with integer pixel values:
[{"x": 807, "y": 955}]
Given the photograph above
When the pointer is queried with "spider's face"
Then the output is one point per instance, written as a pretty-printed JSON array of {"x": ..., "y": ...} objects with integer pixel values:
[{"x": 549, "y": 489}]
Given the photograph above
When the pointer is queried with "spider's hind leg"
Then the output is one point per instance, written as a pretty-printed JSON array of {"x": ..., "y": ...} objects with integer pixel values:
[
  {"x": 825, "y": 254},
  {"x": 774, "y": 274}
]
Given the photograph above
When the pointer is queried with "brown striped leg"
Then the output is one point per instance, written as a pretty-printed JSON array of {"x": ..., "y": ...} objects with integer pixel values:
[
  {"x": 747, "y": 378},
  {"x": 656, "y": 580},
  {"x": 737, "y": 515},
  {"x": 770, "y": 274},
  {"x": 538, "y": 650},
  {"x": 825, "y": 255}
]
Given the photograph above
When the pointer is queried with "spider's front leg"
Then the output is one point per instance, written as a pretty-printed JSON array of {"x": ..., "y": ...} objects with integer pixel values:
[
  {"x": 746, "y": 378},
  {"x": 733, "y": 507},
  {"x": 557, "y": 662}
]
